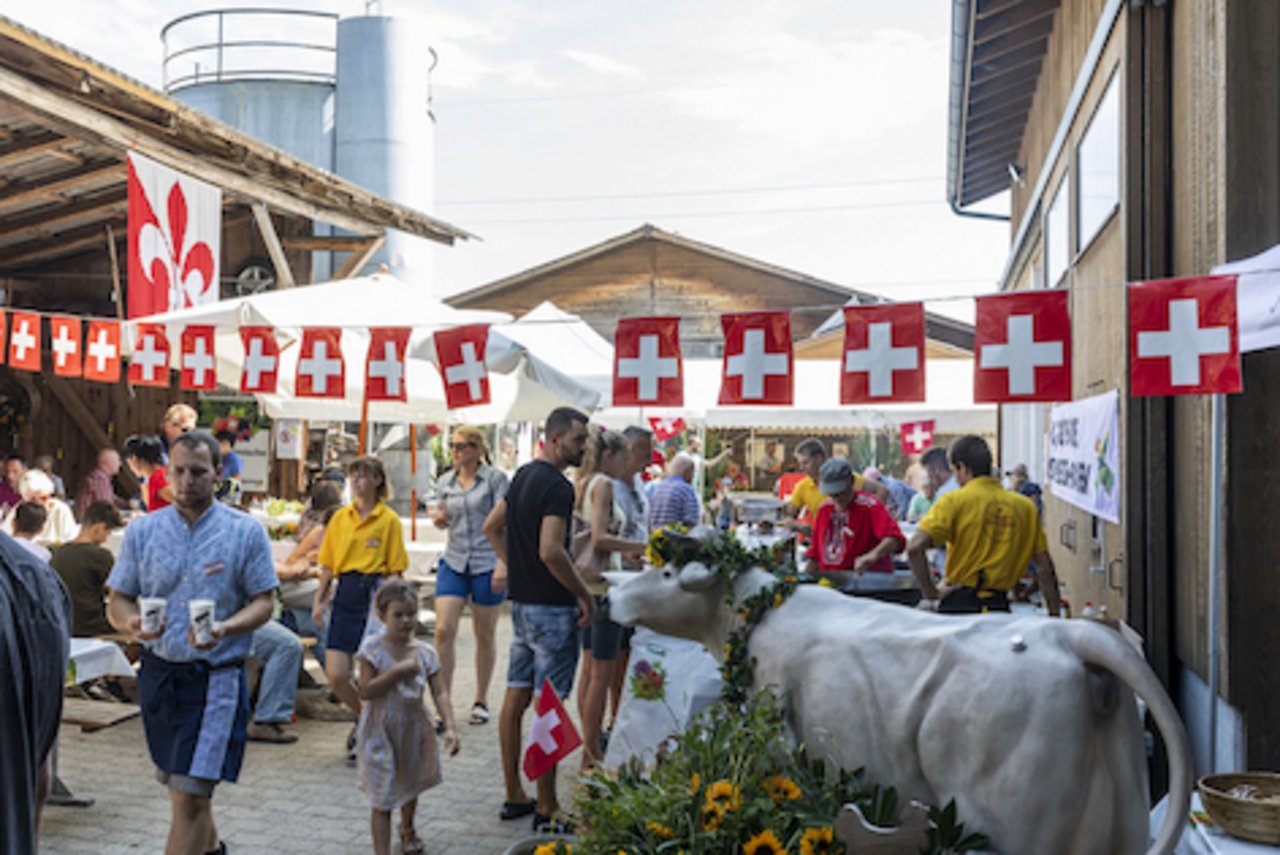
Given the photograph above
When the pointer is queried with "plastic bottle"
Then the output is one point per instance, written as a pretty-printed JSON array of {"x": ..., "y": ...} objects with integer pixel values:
[{"x": 1087, "y": 611}]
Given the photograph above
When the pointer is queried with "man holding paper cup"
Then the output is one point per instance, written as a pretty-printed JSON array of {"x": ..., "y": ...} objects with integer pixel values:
[{"x": 212, "y": 567}]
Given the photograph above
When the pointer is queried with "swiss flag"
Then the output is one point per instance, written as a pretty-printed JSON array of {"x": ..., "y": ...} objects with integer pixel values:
[
  {"x": 1183, "y": 337},
  {"x": 883, "y": 354},
  {"x": 1022, "y": 344},
  {"x": 666, "y": 428},
  {"x": 102, "y": 352},
  {"x": 384, "y": 378},
  {"x": 65, "y": 343},
  {"x": 648, "y": 370},
  {"x": 24, "y": 341},
  {"x": 757, "y": 358},
  {"x": 261, "y": 360},
  {"x": 196, "y": 359},
  {"x": 460, "y": 358},
  {"x": 916, "y": 436},
  {"x": 552, "y": 736},
  {"x": 321, "y": 372},
  {"x": 149, "y": 363}
]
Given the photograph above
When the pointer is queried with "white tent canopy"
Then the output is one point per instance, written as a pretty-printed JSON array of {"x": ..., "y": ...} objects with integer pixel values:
[{"x": 566, "y": 342}]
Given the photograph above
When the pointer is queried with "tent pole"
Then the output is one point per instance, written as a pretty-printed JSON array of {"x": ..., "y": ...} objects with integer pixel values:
[
  {"x": 364, "y": 426},
  {"x": 413, "y": 482}
]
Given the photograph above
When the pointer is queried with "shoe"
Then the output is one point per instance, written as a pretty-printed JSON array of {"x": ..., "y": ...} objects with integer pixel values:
[
  {"x": 515, "y": 810},
  {"x": 551, "y": 825},
  {"x": 269, "y": 731},
  {"x": 351, "y": 739},
  {"x": 479, "y": 713},
  {"x": 221, "y": 850},
  {"x": 351, "y": 759}
]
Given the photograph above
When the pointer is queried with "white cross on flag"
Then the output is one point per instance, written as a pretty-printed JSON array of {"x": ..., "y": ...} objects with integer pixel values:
[
  {"x": 24, "y": 341},
  {"x": 149, "y": 362},
  {"x": 196, "y": 359},
  {"x": 64, "y": 341},
  {"x": 883, "y": 354},
  {"x": 1183, "y": 337},
  {"x": 1022, "y": 343},
  {"x": 757, "y": 358},
  {"x": 175, "y": 231},
  {"x": 648, "y": 370},
  {"x": 460, "y": 357},
  {"x": 916, "y": 437},
  {"x": 665, "y": 428},
  {"x": 261, "y": 360},
  {"x": 102, "y": 352},
  {"x": 551, "y": 737},
  {"x": 384, "y": 378},
  {"x": 321, "y": 373}
]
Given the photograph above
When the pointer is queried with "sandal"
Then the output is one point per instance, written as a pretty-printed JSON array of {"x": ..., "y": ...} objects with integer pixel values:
[
  {"x": 551, "y": 825},
  {"x": 479, "y": 713},
  {"x": 515, "y": 810},
  {"x": 410, "y": 843}
]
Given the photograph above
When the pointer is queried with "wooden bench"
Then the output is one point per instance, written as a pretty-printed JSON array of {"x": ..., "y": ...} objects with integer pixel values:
[{"x": 91, "y": 715}]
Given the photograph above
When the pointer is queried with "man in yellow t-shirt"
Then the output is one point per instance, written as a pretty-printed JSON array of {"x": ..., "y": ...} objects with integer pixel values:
[
  {"x": 990, "y": 534},
  {"x": 806, "y": 497}
]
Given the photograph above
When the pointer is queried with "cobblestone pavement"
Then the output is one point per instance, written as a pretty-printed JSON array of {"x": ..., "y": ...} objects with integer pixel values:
[{"x": 298, "y": 799}]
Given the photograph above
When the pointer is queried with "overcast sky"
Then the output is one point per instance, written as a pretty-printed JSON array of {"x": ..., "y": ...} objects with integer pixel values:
[{"x": 805, "y": 133}]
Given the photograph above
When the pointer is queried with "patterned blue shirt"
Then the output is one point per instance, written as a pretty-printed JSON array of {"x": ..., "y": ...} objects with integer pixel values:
[
  {"x": 673, "y": 501},
  {"x": 467, "y": 510},
  {"x": 224, "y": 556}
]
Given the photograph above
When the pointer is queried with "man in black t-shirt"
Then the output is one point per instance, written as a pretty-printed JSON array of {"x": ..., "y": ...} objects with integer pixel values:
[
  {"x": 529, "y": 529},
  {"x": 84, "y": 565}
]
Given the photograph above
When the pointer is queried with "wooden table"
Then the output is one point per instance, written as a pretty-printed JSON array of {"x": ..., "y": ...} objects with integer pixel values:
[{"x": 90, "y": 658}]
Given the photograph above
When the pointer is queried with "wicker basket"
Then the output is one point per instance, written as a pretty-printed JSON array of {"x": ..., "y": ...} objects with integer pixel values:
[{"x": 1247, "y": 819}]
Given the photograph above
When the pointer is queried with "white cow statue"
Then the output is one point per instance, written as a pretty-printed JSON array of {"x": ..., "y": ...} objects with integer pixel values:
[{"x": 1029, "y": 723}]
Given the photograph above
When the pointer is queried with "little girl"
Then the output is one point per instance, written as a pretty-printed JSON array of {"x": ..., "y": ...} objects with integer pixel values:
[{"x": 396, "y": 751}]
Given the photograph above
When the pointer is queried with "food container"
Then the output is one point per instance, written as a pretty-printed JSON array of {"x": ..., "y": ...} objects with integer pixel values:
[{"x": 1253, "y": 817}]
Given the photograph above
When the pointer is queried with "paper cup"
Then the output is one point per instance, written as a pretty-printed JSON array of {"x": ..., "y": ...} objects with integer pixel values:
[
  {"x": 152, "y": 613},
  {"x": 202, "y": 620}
]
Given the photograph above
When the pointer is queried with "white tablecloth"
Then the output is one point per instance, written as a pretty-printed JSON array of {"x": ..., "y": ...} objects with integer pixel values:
[
  {"x": 1206, "y": 839},
  {"x": 92, "y": 658}
]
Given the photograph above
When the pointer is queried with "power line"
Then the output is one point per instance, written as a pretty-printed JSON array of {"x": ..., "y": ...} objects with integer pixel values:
[{"x": 696, "y": 215}]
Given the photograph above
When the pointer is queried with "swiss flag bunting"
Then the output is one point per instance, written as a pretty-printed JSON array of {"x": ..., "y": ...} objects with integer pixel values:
[
  {"x": 197, "y": 360},
  {"x": 321, "y": 372},
  {"x": 384, "y": 377},
  {"x": 883, "y": 358},
  {"x": 102, "y": 352},
  {"x": 666, "y": 428},
  {"x": 149, "y": 363},
  {"x": 460, "y": 356},
  {"x": 552, "y": 737},
  {"x": 65, "y": 344},
  {"x": 757, "y": 358},
  {"x": 916, "y": 437},
  {"x": 648, "y": 369},
  {"x": 24, "y": 341},
  {"x": 1022, "y": 348},
  {"x": 261, "y": 360},
  {"x": 1183, "y": 337}
]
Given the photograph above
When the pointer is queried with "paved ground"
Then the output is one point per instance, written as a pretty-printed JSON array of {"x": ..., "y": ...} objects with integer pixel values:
[{"x": 298, "y": 798}]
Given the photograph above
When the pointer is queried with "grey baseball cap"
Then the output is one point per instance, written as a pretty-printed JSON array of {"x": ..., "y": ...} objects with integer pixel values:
[{"x": 834, "y": 476}]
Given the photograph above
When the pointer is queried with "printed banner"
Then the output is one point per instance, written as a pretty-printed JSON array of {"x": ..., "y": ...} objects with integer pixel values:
[{"x": 1084, "y": 455}]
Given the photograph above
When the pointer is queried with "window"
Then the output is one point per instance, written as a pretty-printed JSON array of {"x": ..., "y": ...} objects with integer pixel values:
[
  {"x": 1057, "y": 241},
  {"x": 1099, "y": 166}
]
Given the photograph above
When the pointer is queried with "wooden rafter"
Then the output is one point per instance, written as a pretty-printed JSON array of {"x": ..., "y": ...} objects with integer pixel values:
[
  {"x": 64, "y": 244},
  {"x": 335, "y": 243},
  {"x": 46, "y": 219},
  {"x": 359, "y": 258},
  {"x": 31, "y": 146},
  {"x": 59, "y": 184},
  {"x": 284, "y": 273}
]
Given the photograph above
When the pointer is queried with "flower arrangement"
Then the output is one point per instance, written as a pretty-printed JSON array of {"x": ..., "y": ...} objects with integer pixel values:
[
  {"x": 647, "y": 681},
  {"x": 234, "y": 423}
]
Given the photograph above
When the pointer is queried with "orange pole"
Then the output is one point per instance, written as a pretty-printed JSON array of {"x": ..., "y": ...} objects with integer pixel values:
[
  {"x": 413, "y": 480},
  {"x": 364, "y": 425}
]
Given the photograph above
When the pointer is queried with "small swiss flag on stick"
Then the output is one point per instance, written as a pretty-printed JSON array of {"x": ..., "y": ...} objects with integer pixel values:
[{"x": 552, "y": 736}]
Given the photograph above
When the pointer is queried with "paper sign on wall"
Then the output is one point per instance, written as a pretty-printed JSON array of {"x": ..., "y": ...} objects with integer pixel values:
[
  {"x": 289, "y": 445},
  {"x": 1083, "y": 468}
]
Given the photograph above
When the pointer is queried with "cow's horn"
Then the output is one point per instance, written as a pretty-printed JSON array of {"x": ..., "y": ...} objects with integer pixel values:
[{"x": 696, "y": 576}]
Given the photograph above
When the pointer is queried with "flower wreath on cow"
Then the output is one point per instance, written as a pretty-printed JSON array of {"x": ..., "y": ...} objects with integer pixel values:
[{"x": 734, "y": 781}]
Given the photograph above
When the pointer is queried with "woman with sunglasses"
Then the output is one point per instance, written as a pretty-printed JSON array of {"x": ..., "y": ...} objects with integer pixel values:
[{"x": 467, "y": 493}]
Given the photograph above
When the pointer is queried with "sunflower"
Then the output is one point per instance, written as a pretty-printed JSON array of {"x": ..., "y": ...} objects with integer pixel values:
[
  {"x": 712, "y": 816},
  {"x": 819, "y": 841},
  {"x": 781, "y": 788},
  {"x": 724, "y": 795},
  {"x": 555, "y": 847},
  {"x": 764, "y": 843},
  {"x": 657, "y": 829}
]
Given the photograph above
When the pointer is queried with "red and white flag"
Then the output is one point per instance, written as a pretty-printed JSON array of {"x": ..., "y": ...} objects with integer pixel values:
[
  {"x": 149, "y": 362},
  {"x": 916, "y": 436},
  {"x": 1022, "y": 347},
  {"x": 757, "y": 358},
  {"x": 648, "y": 370},
  {"x": 384, "y": 377},
  {"x": 460, "y": 357},
  {"x": 552, "y": 736},
  {"x": 175, "y": 238},
  {"x": 24, "y": 341},
  {"x": 665, "y": 428},
  {"x": 196, "y": 359},
  {"x": 883, "y": 354},
  {"x": 261, "y": 360},
  {"x": 1183, "y": 337},
  {"x": 102, "y": 352},
  {"x": 65, "y": 343},
  {"x": 321, "y": 372}
]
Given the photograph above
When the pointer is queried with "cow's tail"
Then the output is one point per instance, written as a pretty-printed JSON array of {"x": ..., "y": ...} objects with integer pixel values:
[{"x": 1108, "y": 650}]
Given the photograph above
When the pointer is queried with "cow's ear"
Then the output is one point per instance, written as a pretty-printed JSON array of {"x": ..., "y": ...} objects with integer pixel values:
[{"x": 696, "y": 576}]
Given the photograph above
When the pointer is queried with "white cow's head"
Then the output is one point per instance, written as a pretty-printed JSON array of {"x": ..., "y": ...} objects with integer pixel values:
[{"x": 682, "y": 601}]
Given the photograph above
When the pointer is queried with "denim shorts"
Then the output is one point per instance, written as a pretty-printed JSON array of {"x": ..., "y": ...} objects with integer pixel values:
[
  {"x": 604, "y": 637},
  {"x": 544, "y": 646},
  {"x": 467, "y": 584}
]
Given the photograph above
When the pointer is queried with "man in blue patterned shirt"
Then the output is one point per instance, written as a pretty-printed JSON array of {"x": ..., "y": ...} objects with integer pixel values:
[
  {"x": 674, "y": 499},
  {"x": 193, "y": 696}
]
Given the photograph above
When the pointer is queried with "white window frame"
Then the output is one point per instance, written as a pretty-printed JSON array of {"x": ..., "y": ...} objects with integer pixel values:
[
  {"x": 1054, "y": 275},
  {"x": 1093, "y": 148}
]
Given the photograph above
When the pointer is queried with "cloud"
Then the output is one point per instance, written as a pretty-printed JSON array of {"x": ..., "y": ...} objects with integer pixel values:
[{"x": 603, "y": 64}]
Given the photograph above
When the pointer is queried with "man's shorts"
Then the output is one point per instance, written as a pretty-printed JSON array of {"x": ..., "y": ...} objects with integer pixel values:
[
  {"x": 200, "y": 787},
  {"x": 544, "y": 646},
  {"x": 351, "y": 610},
  {"x": 604, "y": 637},
  {"x": 466, "y": 584}
]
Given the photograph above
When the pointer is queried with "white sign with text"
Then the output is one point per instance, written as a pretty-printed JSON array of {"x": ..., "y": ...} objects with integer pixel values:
[{"x": 1083, "y": 468}]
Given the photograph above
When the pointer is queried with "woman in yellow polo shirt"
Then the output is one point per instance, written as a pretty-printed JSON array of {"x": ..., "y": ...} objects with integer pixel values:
[{"x": 363, "y": 546}]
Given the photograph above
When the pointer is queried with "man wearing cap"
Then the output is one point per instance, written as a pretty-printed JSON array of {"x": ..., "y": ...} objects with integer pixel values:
[
  {"x": 991, "y": 534},
  {"x": 806, "y": 498},
  {"x": 852, "y": 530}
]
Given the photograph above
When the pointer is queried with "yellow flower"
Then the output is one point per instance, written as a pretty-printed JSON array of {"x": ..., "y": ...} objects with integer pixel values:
[
  {"x": 777, "y": 600},
  {"x": 695, "y": 783},
  {"x": 781, "y": 789},
  {"x": 724, "y": 795},
  {"x": 555, "y": 847},
  {"x": 657, "y": 829},
  {"x": 764, "y": 843},
  {"x": 789, "y": 579},
  {"x": 819, "y": 841},
  {"x": 712, "y": 816},
  {"x": 824, "y": 582}
]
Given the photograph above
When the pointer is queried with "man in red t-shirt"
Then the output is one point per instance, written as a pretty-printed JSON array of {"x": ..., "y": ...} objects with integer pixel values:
[{"x": 852, "y": 530}]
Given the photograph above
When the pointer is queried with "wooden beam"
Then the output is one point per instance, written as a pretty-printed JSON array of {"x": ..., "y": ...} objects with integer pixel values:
[
  {"x": 88, "y": 424},
  {"x": 284, "y": 275},
  {"x": 57, "y": 185},
  {"x": 359, "y": 258},
  {"x": 337, "y": 243},
  {"x": 32, "y": 146},
  {"x": 45, "y": 219},
  {"x": 990, "y": 26},
  {"x": 63, "y": 244}
]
